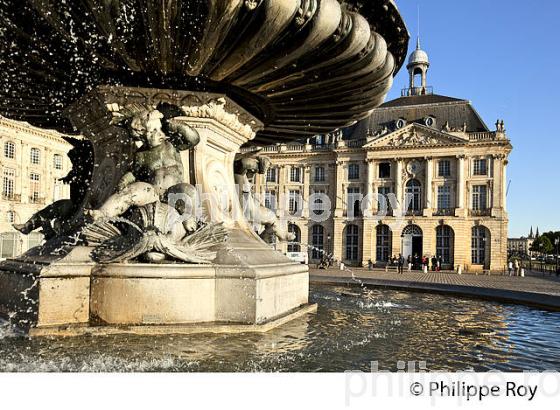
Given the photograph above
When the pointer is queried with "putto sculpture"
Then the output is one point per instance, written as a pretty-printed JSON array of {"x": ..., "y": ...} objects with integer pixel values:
[{"x": 263, "y": 220}]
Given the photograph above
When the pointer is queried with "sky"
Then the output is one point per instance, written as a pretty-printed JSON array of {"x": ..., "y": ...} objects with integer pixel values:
[{"x": 504, "y": 57}]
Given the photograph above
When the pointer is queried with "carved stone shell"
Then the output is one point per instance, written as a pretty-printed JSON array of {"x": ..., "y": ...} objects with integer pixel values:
[{"x": 302, "y": 67}]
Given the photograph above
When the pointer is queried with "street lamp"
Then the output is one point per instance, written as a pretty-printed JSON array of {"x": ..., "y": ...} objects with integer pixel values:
[
  {"x": 556, "y": 242},
  {"x": 329, "y": 248}
]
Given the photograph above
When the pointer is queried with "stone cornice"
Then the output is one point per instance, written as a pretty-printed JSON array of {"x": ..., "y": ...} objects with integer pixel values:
[{"x": 30, "y": 129}]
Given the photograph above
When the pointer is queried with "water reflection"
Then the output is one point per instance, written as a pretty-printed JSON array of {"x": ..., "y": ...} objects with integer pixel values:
[{"x": 351, "y": 329}]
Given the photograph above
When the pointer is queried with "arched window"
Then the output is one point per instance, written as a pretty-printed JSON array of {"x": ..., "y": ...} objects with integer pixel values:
[
  {"x": 445, "y": 243},
  {"x": 478, "y": 245},
  {"x": 352, "y": 242},
  {"x": 35, "y": 156},
  {"x": 383, "y": 243},
  {"x": 414, "y": 195},
  {"x": 10, "y": 150},
  {"x": 317, "y": 241},
  {"x": 294, "y": 246},
  {"x": 57, "y": 161}
]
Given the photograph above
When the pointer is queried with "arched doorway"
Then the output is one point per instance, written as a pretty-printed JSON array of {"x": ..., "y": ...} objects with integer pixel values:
[
  {"x": 352, "y": 247},
  {"x": 383, "y": 243},
  {"x": 445, "y": 243},
  {"x": 317, "y": 241},
  {"x": 480, "y": 246},
  {"x": 412, "y": 242}
]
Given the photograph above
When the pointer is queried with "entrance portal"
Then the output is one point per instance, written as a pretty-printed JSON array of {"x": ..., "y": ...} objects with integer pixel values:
[{"x": 412, "y": 243}]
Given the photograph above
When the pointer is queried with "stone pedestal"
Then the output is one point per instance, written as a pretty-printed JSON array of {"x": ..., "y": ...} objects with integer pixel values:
[{"x": 248, "y": 282}]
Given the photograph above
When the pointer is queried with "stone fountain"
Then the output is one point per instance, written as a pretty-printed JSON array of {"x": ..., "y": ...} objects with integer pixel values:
[{"x": 162, "y": 233}]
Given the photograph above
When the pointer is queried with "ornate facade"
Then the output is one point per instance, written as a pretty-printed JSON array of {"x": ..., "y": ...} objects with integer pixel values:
[
  {"x": 432, "y": 173},
  {"x": 32, "y": 161}
]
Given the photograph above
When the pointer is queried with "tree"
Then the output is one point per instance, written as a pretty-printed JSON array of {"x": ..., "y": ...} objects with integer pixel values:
[
  {"x": 542, "y": 245},
  {"x": 553, "y": 236}
]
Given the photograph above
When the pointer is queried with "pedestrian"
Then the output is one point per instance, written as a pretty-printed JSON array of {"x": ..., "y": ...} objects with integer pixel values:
[
  {"x": 510, "y": 267},
  {"x": 434, "y": 263},
  {"x": 400, "y": 264},
  {"x": 439, "y": 263},
  {"x": 517, "y": 268},
  {"x": 409, "y": 263},
  {"x": 370, "y": 264},
  {"x": 416, "y": 262}
]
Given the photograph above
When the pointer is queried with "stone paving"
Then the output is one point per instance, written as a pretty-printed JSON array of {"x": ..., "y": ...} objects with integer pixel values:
[{"x": 534, "y": 283}]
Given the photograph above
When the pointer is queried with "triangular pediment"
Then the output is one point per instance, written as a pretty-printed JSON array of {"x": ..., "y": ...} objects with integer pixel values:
[{"x": 415, "y": 136}]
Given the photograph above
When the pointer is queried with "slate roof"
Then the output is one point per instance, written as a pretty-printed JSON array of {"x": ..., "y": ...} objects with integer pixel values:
[{"x": 415, "y": 108}]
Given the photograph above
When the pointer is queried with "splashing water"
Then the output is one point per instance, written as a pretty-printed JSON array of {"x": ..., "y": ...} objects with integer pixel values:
[{"x": 351, "y": 329}]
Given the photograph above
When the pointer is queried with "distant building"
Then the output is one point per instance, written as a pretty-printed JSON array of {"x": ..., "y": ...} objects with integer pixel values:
[
  {"x": 522, "y": 246},
  {"x": 434, "y": 150},
  {"x": 31, "y": 162}
]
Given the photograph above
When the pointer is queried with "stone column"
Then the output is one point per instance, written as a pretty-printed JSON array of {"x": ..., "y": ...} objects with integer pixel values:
[
  {"x": 504, "y": 184},
  {"x": 305, "y": 194},
  {"x": 428, "y": 208},
  {"x": 370, "y": 191},
  {"x": 461, "y": 186},
  {"x": 339, "y": 207},
  {"x": 398, "y": 180}
]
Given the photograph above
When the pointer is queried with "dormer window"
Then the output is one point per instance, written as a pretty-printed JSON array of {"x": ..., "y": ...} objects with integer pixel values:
[
  {"x": 429, "y": 121},
  {"x": 400, "y": 123}
]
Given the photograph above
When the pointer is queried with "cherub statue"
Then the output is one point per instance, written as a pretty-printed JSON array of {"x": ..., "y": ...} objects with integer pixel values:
[
  {"x": 264, "y": 220},
  {"x": 137, "y": 220},
  {"x": 156, "y": 171}
]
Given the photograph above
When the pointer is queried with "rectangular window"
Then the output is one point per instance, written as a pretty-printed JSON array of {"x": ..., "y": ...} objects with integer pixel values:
[
  {"x": 295, "y": 174},
  {"x": 57, "y": 161},
  {"x": 10, "y": 150},
  {"x": 383, "y": 199},
  {"x": 444, "y": 168},
  {"x": 480, "y": 167},
  {"x": 35, "y": 156},
  {"x": 479, "y": 197},
  {"x": 35, "y": 187},
  {"x": 270, "y": 200},
  {"x": 444, "y": 197},
  {"x": 354, "y": 201},
  {"x": 271, "y": 175},
  {"x": 8, "y": 183},
  {"x": 385, "y": 170},
  {"x": 293, "y": 203},
  {"x": 353, "y": 171},
  {"x": 319, "y": 174}
]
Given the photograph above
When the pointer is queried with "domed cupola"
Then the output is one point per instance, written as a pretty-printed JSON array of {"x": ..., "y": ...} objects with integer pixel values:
[{"x": 418, "y": 65}]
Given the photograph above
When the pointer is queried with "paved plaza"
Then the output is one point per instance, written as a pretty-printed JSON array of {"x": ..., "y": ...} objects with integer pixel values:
[{"x": 533, "y": 289}]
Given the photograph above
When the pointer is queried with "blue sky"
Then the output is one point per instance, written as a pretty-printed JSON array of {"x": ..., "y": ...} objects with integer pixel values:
[{"x": 504, "y": 56}]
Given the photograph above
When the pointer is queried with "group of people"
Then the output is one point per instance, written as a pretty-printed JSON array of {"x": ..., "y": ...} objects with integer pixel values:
[
  {"x": 514, "y": 268},
  {"x": 413, "y": 263}
]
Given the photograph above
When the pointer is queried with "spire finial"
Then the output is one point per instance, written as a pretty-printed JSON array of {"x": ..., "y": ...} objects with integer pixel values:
[{"x": 418, "y": 36}]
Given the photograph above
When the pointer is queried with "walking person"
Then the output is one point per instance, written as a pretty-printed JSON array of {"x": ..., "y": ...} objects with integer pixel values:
[
  {"x": 510, "y": 267},
  {"x": 370, "y": 264},
  {"x": 400, "y": 264},
  {"x": 516, "y": 267},
  {"x": 439, "y": 263},
  {"x": 409, "y": 263},
  {"x": 434, "y": 263}
]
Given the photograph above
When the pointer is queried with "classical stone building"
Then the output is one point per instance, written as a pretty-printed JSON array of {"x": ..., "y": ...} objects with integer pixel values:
[
  {"x": 433, "y": 172},
  {"x": 31, "y": 162},
  {"x": 522, "y": 246}
]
